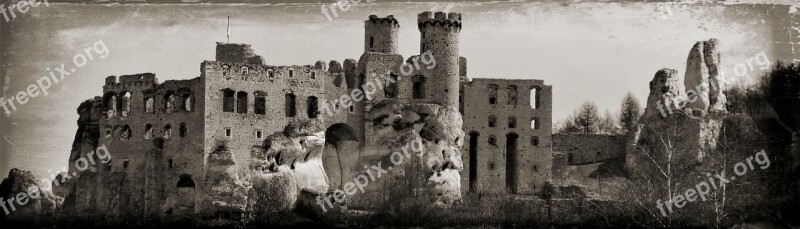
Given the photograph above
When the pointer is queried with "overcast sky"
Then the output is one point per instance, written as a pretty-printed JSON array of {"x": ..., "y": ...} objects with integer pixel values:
[{"x": 587, "y": 51}]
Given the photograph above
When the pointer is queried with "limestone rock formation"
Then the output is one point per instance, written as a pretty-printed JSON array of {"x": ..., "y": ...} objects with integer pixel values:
[
  {"x": 665, "y": 92},
  {"x": 704, "y": 84},
  {"x": 682, "y": 126},
  {"x": 36, "y": 202},
  {"x": 696, "y": 79},
  {"x": 289, "y": 163},
  {"x": 716, "y": 98},
  {"x": 431, "y": 175},
  {"x": 227, "y": 192}
]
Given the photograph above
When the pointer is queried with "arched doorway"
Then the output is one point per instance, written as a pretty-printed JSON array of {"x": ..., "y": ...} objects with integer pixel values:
[
  {"x": 340, "y": 155},
  {"x": 186, "y": 188}
]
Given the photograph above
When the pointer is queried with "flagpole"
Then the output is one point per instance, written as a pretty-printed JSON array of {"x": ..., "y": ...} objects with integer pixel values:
[{"x": 229, "y": 29}]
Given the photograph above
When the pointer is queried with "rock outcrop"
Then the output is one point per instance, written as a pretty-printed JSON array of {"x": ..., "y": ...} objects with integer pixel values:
[
  {"x": 432, "y": 174},
  {"x": 665, "y": 92},
  {"x": 289, "y": 165},
  {"x": 704, "y": 85},
  {"x": 25, "y": 199},
  {"x": 680, "y": 124}
]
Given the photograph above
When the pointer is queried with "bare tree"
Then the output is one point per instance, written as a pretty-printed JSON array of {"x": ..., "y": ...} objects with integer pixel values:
[{"x": 608, "y": 124}]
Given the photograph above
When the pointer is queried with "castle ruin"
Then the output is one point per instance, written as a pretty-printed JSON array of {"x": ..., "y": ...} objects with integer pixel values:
[{"x": 174, "y": 143}]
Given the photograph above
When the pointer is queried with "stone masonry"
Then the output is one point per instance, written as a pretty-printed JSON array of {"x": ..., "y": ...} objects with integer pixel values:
[{"x": 184, "y": 147}]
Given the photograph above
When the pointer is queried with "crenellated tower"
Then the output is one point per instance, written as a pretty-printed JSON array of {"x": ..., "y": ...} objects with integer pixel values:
[
  {"x": 381, "y": 34},
  {"x": 439, "y": 35}
]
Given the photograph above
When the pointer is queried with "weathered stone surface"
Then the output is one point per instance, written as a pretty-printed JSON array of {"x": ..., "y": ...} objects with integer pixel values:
[
  {"x": 689, "y": 127},
  {"x": 696, "y": 79},
  {"x": 665, "y": 91},
  {"x": 289, "y": 163},
  {"x": 716, "y": 98},
  {"x": 37, "y": 202},
  {"x": 434, "y": 171}
]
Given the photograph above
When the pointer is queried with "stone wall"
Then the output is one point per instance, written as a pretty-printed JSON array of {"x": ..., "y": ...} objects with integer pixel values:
[
  {"x": 486, "y": 162},
  {"x": 588, "y": 148},
  {"x": 202, "y": 147}
]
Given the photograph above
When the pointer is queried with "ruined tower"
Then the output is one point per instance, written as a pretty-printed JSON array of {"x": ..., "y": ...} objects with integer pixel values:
[
  {"x": 380, "y": 34},
  {"x": 439, "y": 35},
  {"x": 380, "y": 55}
]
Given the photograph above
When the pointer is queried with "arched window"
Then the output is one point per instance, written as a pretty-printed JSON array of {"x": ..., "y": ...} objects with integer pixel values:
[
  {"x": 186, "y": 181},
  {"x": 148, "y": 105},
  {"x": 229, "y": 100},
  {"x": 108, "y": 131},
  {"x": 225, "y": 70},
  {"x": 148, "y": 131},
  {"x": 261, "y": 102},
  {"x": 493, "y": 93},
  {"x": 535, "y": 92},
  {"x": 110, "y": 104},
  {"x": 312, "y": 109},
  {"x": 182, "y": 130},
  {"x": 290, "y": 105},
  {"x": 126, "y": 133},
  {"x": 534, "y": 141},
  {"x": 188, "y": 102},
  {"x": 492, "y": 121},
  {"x": 418, "y": 87},
  {"x": 167, "y": 131},
  {"x": 492, "y": 140},
  {"x": 512, "y": 95},
  {"x": 169, "y": 99},
  {"x": 512, "y": 122},
  {"x": 535, "y": 123},
  {"x": 126, "y": 104}
]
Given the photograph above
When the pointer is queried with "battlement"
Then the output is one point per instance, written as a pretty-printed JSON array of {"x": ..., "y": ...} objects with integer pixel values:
[
  {"x": 428, "y": 18},
  {"x": 390, "y": 20},
  {"x": 128, "y": 82},
  {"x": 237, "y": 53},
  {"x": 271, "y": 73}
]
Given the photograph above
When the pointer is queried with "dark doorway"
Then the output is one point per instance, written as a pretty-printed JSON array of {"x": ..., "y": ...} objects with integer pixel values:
[
  {"x": 418, "y": 87},
  {"x": 473, "y": 161},
  {"x": 289, "y": 105},
  {"x": 312, "y": 107},
  {"x": 511, "y": 162}
]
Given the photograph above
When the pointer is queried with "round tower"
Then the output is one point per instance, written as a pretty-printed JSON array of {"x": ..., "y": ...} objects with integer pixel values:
[
  {"x": 380, "y": 34},
  {"x": 439, "y": 35}
]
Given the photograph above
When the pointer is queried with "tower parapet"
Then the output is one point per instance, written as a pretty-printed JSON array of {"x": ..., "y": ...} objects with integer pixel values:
[
  {"x": 439, "y": 35},
  {"x": 237, "y": 53},
  {"x": 381, "y": 34}
]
